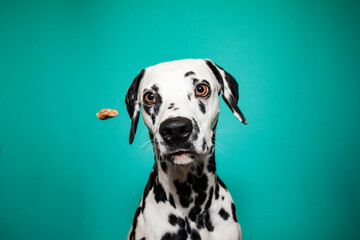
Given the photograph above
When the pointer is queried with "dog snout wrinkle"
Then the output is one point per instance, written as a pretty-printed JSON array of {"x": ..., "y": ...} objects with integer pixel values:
[{"x": 176, "y": 130}]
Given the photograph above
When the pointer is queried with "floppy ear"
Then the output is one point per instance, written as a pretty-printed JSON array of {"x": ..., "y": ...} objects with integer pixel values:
[
  {"x": 229, "y": 89},
  {"x": 132, "y": 104}
]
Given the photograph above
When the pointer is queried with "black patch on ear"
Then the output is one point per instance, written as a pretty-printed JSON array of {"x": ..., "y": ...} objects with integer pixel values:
[
  {"x": 224, "y": 214},
  {"x": 133, "y": 128},
  {"x": 233, "y": 210},
  {"x": 131, "y": 102},
  {"x": 216, "y": 73},
  {"x": 234, "y": 93},
  {"x": 189, "y": 73},
  {"x": 202, "y": 106}
]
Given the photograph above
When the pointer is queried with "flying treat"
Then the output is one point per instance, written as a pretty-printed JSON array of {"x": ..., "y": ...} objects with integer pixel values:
[{"x": 107, "y": 113}]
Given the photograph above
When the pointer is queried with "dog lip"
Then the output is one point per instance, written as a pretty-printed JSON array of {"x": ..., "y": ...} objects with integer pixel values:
[{"x": 179, "y": 152}]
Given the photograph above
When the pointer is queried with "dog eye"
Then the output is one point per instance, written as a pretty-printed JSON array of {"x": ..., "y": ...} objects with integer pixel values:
[
  {"x": 149, "y": 98},
  {"x": 202, "y": 90}
]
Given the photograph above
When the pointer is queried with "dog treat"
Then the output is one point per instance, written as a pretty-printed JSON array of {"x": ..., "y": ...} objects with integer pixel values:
[{"x": 107, "y": 113}]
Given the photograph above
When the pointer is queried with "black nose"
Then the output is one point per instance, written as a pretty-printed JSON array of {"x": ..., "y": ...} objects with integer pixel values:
[{"x": 176, "y": 130}]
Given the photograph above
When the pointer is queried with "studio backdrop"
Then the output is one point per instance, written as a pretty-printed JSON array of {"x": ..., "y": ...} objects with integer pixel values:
[{"x": 293, "y": 171}]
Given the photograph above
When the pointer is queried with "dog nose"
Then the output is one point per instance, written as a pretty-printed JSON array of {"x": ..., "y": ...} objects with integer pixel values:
[{"x": 176, "y": 130}]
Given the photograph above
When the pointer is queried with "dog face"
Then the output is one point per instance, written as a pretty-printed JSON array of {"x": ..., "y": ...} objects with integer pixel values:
[{"x": 180, "y": 106}]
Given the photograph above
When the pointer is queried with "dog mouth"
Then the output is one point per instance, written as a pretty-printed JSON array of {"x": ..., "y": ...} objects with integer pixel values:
[{"x": 181, "y": 157}]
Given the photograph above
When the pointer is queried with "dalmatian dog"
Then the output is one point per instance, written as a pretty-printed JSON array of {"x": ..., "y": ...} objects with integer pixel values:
[{"x": 184, "y": 198}]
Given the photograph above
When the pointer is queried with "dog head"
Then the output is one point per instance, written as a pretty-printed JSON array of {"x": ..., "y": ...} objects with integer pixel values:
[{"x": 180, "y": 106}]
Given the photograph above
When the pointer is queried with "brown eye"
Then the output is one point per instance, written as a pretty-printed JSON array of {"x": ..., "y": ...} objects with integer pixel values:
[
  {"x": 149, "y": 98},
  {"x": 202, "y": 90}
]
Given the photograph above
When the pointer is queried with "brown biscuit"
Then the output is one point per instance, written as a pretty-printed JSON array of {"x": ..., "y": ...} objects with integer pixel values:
[{"x": 107, "y": 113}]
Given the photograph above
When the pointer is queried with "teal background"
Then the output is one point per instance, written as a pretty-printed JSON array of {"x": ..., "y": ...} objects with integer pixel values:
[{"x": 293, "y": 171}]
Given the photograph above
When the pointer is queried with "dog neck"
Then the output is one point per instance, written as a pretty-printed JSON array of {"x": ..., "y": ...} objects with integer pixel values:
[{"x": 189, "y": 188}]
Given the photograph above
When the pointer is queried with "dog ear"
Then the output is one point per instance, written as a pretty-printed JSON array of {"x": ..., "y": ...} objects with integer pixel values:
[
  {"x": 229, "y": 89},
  {"x": 133, "y": 105}
]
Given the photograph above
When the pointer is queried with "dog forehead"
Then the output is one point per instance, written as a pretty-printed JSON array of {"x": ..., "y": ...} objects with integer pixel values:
[{"x": 175, "y": 72}]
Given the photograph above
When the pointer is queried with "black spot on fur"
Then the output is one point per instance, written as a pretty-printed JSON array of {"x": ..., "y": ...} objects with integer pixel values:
[
  {"x": 211, "y": 164},
  {"x": 204, "y": 144},
  {"x": 217, "y": 191},
  {"x": 208, "y": 203},
  {"x": 147, "y": 109},
  {"x": 163, "y": 166},
  {"x": 148, "y": 187},
  {"x": 184, "y": 191},
  {"x": 189, "y": 73},
  {"x": 202, "y": 106},
  {"x": 190, "y": 178},
  {"x": 194, "y": 211},
  {"x": 171, "y": 200},
  {"x": 200, "y": 198},
  {"x": 189, "y": 97},
  {"x": 137, "y": 213},
  {"x": 200, "y": 221},
  {"x": 200, "y": 184},
  {"x": 155, "y": 88},
  {"x": 159, "y": 192},
  {"x": 233, "y": 210},
  {"x": 187, "y": 225},
  {"x": 174, "y": 220},
  {"x": 153, "y": 118},
  {"x": 195, "y": 235},
  {"x": 143, "y": 238},
  {"x": 157, "y": 104},
  {"x": 171, "y": 106},
  {"x": 180, "y": 235},
  {"x": 208, "y": 222},
  {"x": 222, "y": 197},
  {"x": 176, "y": 109},
  {"x": 196, "y": 130},
  {"x": 195, "y": 80},
  {"x": 224, "y": 214},
  {"x": 221, "y": 183}
]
